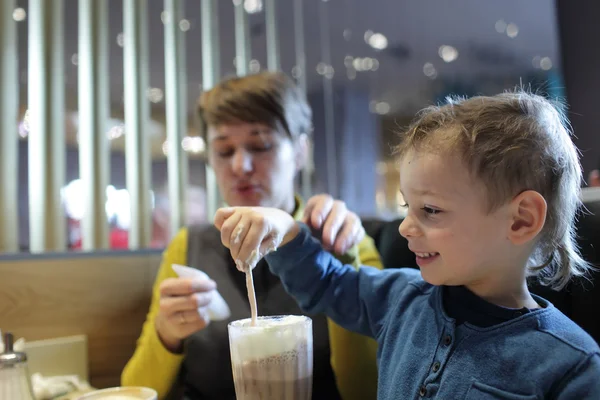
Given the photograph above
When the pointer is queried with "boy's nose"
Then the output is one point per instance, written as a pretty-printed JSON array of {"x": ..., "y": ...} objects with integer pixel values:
[{"x": 408, "y": 227}]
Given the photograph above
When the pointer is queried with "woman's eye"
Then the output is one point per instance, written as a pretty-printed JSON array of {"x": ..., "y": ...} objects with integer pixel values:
[
  {"x": 429, "y": 210},
  {"x": 405, "y": 205},
  {"x": 225, "y": 153},
  {"x": 261, "y": 148}
]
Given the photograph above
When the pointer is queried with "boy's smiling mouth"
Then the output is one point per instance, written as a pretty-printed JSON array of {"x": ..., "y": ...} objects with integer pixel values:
[{"x": 425, "y": 255}]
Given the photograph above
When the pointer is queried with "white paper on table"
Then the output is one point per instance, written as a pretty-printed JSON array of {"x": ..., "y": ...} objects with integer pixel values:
[{"x": 218, "y": 310}]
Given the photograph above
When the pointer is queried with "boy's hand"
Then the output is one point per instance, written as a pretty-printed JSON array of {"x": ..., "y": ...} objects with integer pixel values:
[
  {"x": 252, "y": 232},
  {"x": 333, "y": 224}
]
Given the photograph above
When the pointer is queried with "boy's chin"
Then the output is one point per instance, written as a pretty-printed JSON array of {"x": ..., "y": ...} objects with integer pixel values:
[{"x": 437, "y": 280}]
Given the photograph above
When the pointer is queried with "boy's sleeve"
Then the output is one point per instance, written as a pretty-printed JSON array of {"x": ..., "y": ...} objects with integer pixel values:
[
  {"x": 583, "y": 382},
  {"x": 355, "y": 299}
]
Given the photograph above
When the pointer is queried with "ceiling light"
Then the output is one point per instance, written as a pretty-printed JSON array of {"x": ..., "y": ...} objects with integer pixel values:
[
  {"x": 375, "y": 65},
  {"x": 366, "y": 64},
  {"x": 116, "y": 132},
  {"x": 184, "y": 25},
  {"x": 26, "y": 123},
  {"x": 378, "y": 41},
  {"x": 546, "y": 63},
  {"x": 23, "y": 132},
  {"x": 155, "y": 95},
  {"x": 253, "y": 6},
  {"x": 329, "y": 72},
  {"x": 254, "y": 66},
  {"x": 321, "y": 68},
  {"x": 429, "y": 70},
  {"x": 193, "y": 144},
  {"x": 512, "y": 30},
  {"x": 165, "y": 17},
  {"x": 448, "y": 53},
  {"x": 382, "y": 108},
  {"x": 500, "y": 26},
  {"x": 296, "y": 72},
  {"x": 372, "y": 105},
  {"x": 19, "y": 14}
]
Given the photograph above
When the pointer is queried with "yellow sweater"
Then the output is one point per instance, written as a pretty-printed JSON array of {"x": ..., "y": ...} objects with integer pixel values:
[{"x": 353, "y": 357}]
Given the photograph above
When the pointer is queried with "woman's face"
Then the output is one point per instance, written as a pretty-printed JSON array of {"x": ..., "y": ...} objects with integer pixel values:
[{"x": 254, "y": 164}]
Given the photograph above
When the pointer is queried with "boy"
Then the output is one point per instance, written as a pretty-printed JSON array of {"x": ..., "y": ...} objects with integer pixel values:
[{"x": 492, "y": 188}]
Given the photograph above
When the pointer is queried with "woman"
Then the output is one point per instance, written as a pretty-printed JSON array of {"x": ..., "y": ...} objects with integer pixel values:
[{"x": 255, "y": 128}]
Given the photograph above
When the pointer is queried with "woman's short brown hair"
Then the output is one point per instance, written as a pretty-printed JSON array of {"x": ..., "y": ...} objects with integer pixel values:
[{"x": 270, "y": 98}]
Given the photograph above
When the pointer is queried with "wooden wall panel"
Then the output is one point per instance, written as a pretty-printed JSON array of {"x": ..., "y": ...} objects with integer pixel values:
[{"x": 104, "y": 297}]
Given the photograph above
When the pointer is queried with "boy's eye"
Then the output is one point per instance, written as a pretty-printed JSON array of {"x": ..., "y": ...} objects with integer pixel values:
[
  {"x": 429, "y": 210},
  {"x": 405, "y": 205}
]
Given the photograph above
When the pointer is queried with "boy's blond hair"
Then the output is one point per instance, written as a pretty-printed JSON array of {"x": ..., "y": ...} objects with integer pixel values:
[{"x": 514, "y": 142}]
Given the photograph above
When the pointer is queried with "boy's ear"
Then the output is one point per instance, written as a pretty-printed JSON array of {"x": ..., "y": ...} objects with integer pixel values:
[{"x": 527, "y": 217}]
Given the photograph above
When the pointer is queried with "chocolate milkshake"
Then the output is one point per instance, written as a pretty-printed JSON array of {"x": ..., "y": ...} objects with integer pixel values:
[{"x": 272, "y": 360}]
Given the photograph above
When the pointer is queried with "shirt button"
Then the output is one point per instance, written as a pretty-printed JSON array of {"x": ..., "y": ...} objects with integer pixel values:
[
  {"x": 423, "y": 391},
  {"x": 436, "y": 366},
  {"x": 447, "y": 340}
]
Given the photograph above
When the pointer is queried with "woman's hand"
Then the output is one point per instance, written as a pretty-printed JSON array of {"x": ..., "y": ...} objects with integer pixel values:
[
  {"x": 182, "y": 309},
  {"x": 339, "y": 229},
  {"x": 252, "y": 232}
]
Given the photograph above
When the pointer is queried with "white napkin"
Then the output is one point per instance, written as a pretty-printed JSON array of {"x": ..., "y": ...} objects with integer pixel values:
[
  {"x": 218, "y": 310},
  {"x": 49, "y": 387}
]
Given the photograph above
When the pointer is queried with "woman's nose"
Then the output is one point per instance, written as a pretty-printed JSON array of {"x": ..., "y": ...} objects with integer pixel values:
[{"x": 241, "y": 162}]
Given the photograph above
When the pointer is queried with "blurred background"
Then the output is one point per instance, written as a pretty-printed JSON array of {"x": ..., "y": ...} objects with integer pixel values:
[{"x": 367, "y": 66}]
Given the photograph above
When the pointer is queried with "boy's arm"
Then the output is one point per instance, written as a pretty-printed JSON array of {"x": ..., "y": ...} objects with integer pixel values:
[
  {"x": 355, "y": 299},
  {"x": 583, "y": 381}
]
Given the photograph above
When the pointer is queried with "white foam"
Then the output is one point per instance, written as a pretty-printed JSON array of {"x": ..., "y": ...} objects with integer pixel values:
[
  {"x": 269, "y": 322},
  {"x": 250, "y": 263},
  {"x": 238, "y": 233},
  {"x": 281, "y": 337}
]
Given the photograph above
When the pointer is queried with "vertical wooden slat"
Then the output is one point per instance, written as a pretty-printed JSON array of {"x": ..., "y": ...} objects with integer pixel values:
[
  {"x": 306, "y": 181},
  {"x": 47, "y": 166},
  {"x": 273, "y": 55},
  {"x": 176, "y": 108},
  {"x": 242, "y": 39},
  {"x": 299, "y": 43},
  {"x": 137, "y": 115},
  {"x": 332, "y": 181},
  {"x": 210, "y": 76},
  {"x": 9, "y": 146},
  {"x": 94, "y": 112}
]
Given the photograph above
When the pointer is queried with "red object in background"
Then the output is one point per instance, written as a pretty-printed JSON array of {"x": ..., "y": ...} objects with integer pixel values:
[{"x": 118, "y": 240}]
